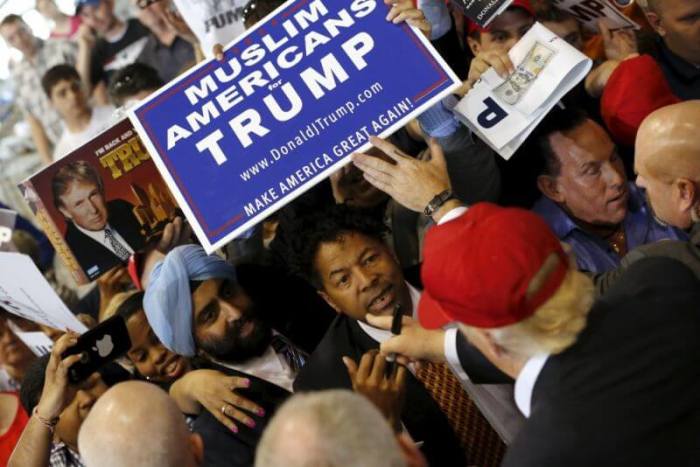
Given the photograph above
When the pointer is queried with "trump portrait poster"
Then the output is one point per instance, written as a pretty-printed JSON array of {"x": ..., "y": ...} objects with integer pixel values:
[{"x": 236, "y": 139}]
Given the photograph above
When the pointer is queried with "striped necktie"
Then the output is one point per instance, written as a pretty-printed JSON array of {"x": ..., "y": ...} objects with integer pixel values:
[
  {"x": 294, "y": 357},
  {"x": 118, "y": 248},
  {"x": 483, "y": 445}
]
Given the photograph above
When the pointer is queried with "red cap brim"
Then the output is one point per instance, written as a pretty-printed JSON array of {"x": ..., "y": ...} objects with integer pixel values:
[{"x": 431, "y": 315}]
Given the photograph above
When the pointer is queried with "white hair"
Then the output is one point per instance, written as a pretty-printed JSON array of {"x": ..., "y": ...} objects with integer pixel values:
[
  {"x": 134, "y": 424},
  {"x": 329, "y": 429}
]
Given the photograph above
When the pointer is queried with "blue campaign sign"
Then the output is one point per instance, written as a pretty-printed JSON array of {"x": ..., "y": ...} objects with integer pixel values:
[{"x": 237, "y": 139}]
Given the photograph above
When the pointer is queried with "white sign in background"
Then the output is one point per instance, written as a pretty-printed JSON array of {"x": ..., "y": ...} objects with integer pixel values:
[
  {"x": 589, "y": 12},
  {"x": 25, "y": 292}
]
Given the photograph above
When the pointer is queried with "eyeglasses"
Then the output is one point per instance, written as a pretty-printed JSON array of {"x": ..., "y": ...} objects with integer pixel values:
[{"x": 143, "y": 4}]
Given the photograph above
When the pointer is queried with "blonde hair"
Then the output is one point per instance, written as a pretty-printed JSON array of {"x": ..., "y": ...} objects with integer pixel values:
[{"x": 556, "y": 324}]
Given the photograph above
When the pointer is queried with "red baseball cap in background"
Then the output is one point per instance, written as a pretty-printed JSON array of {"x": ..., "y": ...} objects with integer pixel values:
[
  {"x": 524, "y": 4},
  {"x": 635, "y": 89},
  {"x": 477, "y": 268}
]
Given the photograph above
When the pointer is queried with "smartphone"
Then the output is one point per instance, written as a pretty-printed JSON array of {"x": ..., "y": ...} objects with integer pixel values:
[{"x": 100, "y": 345}]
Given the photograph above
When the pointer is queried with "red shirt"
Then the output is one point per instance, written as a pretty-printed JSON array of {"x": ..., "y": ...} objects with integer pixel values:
[{"x": 9, "y": 439}]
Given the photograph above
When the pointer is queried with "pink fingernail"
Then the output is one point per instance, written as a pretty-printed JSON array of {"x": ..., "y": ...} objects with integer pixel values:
[
  {"x": 246, "y": 383},
  {"x": 261, "y": 412},
  {"x": 234, "y": 428},
  {"x": 250, "y": 423}
]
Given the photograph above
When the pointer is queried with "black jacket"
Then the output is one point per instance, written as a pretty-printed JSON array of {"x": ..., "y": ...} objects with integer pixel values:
[
  {"x": 422, "y": 416},
  {"x": 222, "y": 448},
  {"x": 94, "y": 257},
  {"x": 628, "y": 392}
]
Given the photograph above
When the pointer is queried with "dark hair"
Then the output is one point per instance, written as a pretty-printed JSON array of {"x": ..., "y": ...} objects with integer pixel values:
[
  {"x": 255, "y": 10},
  {"x": 539, "y": 145},
  {"x": 132, "y": 305},
  {"x": 131, "y": 80},
  {"x": 33, "y": 383},
  {"x": 56, "y": 74},
  {"x": 552, "y": 14},
  {"x": 306, "y": 234},
  {"x": 74, "y": 171},
  {"x": 10, "y": 19}
]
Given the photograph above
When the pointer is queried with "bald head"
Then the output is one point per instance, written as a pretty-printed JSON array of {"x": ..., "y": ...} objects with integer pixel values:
[
  {"x": 668, "y": 141},
  {"x": 667, "y": 161},
  {"x": 325, "y": 428},
  {"x": 137, "y": 423}
]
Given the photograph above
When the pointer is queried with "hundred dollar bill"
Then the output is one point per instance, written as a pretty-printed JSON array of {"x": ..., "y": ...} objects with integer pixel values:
[{"x": 514, "y": 88}]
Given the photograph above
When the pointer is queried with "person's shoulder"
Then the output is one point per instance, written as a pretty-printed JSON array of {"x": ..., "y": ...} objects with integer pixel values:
[{"x": 324, "y": 369}]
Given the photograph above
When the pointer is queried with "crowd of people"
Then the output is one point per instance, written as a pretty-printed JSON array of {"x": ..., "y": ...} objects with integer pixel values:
[{"x": 549, "y": 302}]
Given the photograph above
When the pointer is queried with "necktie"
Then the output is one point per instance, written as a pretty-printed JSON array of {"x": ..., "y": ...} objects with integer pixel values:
[
  {"x": 118, "y": 248},
  {"x": 483, "y": 445},
  {"x": 294, "y": 357}
]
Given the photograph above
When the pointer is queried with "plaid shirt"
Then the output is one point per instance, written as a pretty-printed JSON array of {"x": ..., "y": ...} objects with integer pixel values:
[
  {"x": 63, "y": 456},
  {"x": 26, "y": 77}
]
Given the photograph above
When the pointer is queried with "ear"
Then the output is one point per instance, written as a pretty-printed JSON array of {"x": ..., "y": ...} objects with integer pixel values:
[
  {"x": 550, "y": 188},
  {"x": 655, "y": 22},
  {"x": 413, "y": 456},
  {"x": 687, "y": 193},
  {"x": 329, "y": 300},
  {"x": 474, "y": 45},
  {"x": 197, "y": 446}
]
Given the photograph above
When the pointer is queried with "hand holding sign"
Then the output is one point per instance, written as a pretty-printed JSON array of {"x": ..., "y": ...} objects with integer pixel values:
[
  {"x": 411, "y": 182},
  {"x": 404, "y": 10},
  {"x": 496, "y": 59},
  {"x": 619, "y": 44}
]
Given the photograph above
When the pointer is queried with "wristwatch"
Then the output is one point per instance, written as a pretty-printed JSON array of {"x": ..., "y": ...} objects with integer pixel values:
[{"x": 437, "y": 202}]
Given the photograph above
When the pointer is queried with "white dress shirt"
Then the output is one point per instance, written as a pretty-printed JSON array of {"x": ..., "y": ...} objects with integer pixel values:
[
  {"x": 526, "y": 380},
  {"x": 100, "y": 237},
  {"x": 270, "y": 366}
]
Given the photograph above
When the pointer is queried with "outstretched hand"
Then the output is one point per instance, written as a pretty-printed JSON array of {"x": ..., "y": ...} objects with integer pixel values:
[
  {"x": 415, "y": 342},
  {"x": 411, "y": 182}
]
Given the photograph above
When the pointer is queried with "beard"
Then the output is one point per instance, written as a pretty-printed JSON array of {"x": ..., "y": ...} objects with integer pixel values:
[{"x": 236, "y": 348}]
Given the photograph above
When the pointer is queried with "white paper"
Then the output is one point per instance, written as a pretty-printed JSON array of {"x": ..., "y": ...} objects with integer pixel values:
[
  {"x": 562, "y": 67},
  {"x": 25, "y": 292},
  {"x": 589, "y": 12},
  {"x": 38, "y": 342}
]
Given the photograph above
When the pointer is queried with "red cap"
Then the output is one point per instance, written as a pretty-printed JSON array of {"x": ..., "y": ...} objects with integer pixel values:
[
  {"x": 478, "y": 267},
  {"x": 636, "y": 88},
  {"x": 524, "y": 4}
]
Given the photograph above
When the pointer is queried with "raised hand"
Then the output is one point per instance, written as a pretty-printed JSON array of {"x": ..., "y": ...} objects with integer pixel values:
[
  {"x": 411, "y": 182},
  {"x": 385, "y": 392}
]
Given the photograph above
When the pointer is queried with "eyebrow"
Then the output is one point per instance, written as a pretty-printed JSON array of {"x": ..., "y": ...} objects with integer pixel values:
[{"x": 339, "y": 270}]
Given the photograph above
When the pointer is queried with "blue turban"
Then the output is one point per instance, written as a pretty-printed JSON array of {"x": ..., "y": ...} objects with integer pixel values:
[{"x": 168, "y": 301}]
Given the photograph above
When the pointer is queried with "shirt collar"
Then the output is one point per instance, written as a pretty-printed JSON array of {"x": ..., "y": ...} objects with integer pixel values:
[
  {"x": 381, "y": 335},
  {"x": 525, "y": 383},
  {"x": 98, "y": 235},
  {"x": 563, "y": 225},
  {"x": 685, "y": 69}
]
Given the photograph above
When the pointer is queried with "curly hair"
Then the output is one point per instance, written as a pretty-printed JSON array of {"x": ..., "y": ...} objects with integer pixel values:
[{"x": 305, "y": 235}]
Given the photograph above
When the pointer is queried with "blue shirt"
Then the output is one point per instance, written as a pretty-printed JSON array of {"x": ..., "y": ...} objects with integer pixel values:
[{"x": 594, "y": 254}]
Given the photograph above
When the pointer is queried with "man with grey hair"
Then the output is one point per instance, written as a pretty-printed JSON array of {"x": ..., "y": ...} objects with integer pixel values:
[
  {"x": 333, "y": 428},
  {"x": 113, "y": 433}
]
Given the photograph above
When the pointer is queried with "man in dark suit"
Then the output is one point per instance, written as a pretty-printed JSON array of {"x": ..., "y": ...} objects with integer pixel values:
[
  {"x": 196, "y": 306},
  {"x": 610, "y": 383},
  {"x": 342, "y": 254},
  {"x": 101, "y": 234}
]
